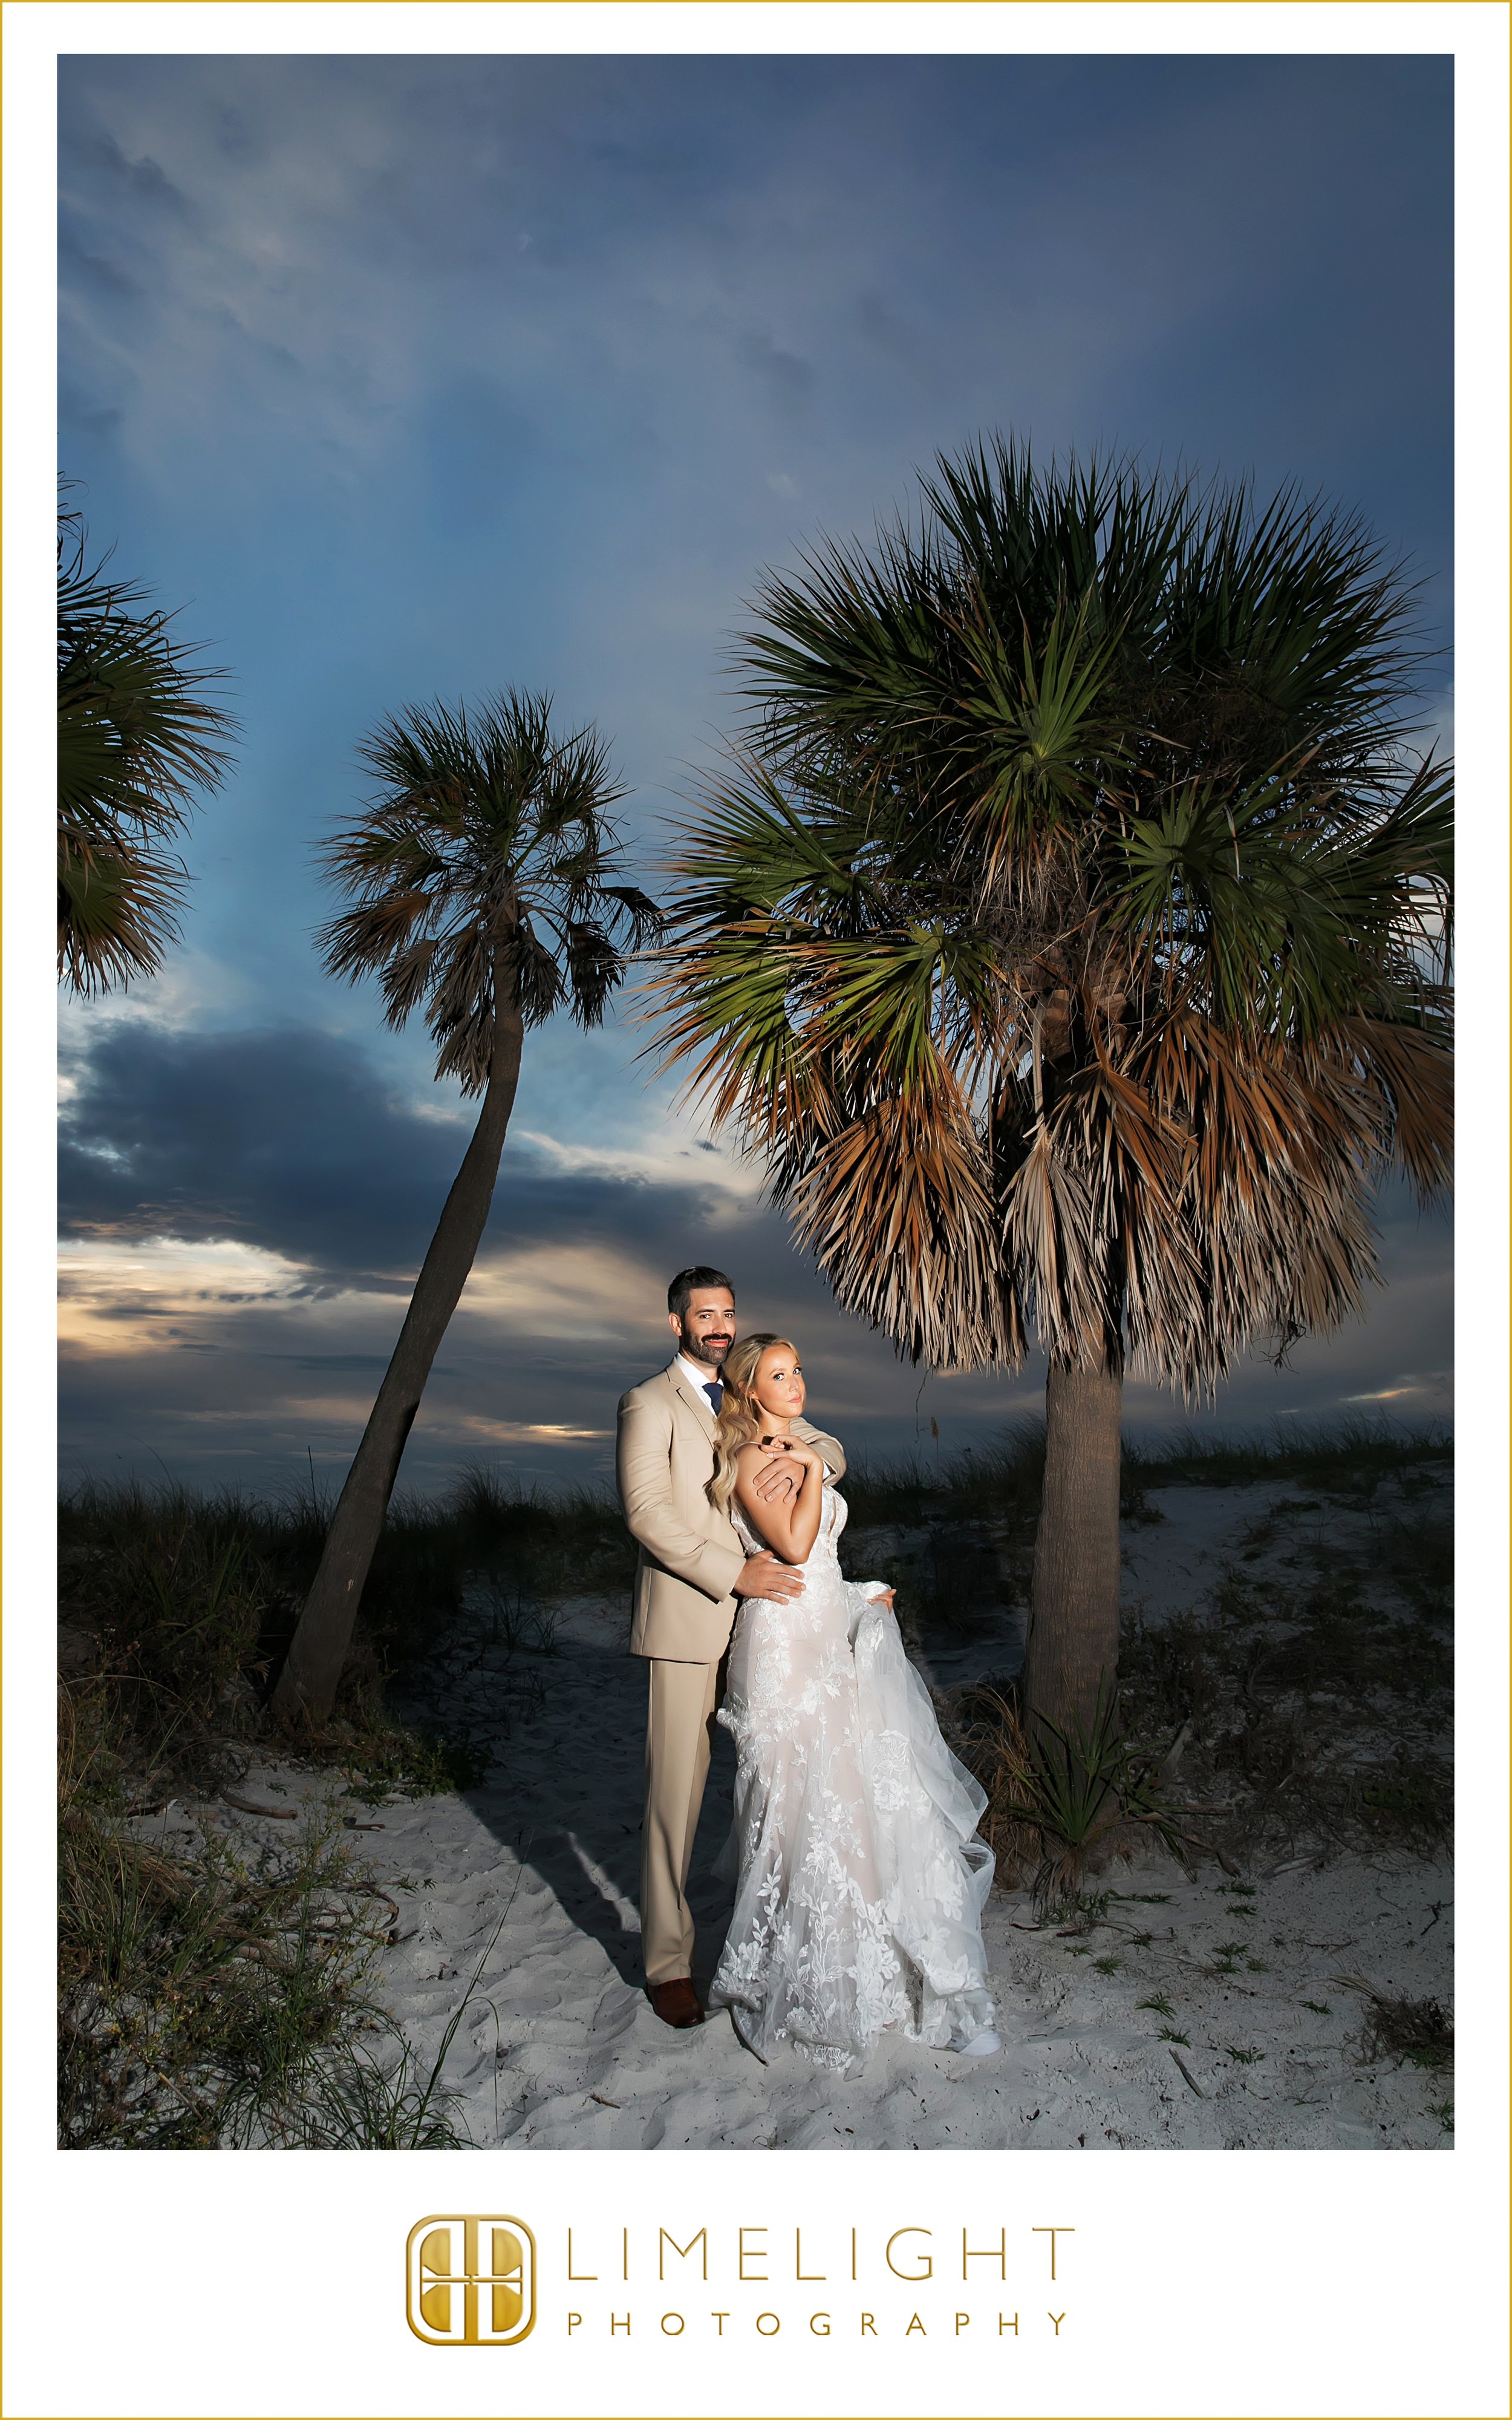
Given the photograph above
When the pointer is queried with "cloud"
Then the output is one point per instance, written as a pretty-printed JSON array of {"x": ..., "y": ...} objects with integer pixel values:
[
  {"x": 286, "y": 1142},
  {"x": 408, "y": 375},
  {"x": 244, "y": 1215},
  {"x": 143, "y": 179},
  {"x": 394, "y": 454},
  {"x": 141, "y": 1297},
  {"x": 789, "y": 376}
]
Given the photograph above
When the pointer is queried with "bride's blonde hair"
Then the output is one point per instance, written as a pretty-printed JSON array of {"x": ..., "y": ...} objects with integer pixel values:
[{"x": 739, "y": 1421}]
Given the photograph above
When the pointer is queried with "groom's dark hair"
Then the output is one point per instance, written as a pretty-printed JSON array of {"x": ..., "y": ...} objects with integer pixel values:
[{"x": 687, "y": 1283}]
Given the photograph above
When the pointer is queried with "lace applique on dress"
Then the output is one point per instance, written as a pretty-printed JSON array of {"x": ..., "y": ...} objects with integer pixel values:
[{"x": 861, "y": 1880}]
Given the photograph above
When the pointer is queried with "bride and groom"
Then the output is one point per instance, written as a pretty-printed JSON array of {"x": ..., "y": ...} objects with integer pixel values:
[{"x": 860, "y": 1877}]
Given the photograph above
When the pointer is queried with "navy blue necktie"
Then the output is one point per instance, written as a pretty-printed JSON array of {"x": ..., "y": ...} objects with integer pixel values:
[{"x": 714, "y": 1389}]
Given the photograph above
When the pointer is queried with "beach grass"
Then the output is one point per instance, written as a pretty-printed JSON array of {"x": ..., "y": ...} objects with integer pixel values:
[
  {"x": 1349, "y": 1459},
  {"x": 218, "y": 1993},
  {"x": 212, "y": 1993}
]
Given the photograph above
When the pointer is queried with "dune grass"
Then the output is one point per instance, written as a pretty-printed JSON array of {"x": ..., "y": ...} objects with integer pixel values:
[
  {"x": 215, "y": 1994},
  {"x": 211, "y": 1994},
  {"x": 1310, "y": 1708},
  {"x": 1002, "y": 1479},
  {"x": 1347, "y": 1458}
]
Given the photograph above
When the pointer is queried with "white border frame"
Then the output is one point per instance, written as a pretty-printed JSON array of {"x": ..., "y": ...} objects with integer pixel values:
[{"x": 1300, "y": 2283}]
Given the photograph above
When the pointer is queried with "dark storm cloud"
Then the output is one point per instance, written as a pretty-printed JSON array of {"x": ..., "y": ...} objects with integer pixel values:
[
  {"x": 289, "y": 1140},
  {"x": 409, "y": 375}
]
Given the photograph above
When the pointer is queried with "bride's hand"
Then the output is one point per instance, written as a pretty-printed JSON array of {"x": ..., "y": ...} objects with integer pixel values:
[{"x": 780, "y": 1475}]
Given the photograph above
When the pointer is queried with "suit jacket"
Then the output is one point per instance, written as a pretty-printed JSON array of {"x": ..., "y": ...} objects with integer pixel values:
[{"x": 691, "y": 1557}]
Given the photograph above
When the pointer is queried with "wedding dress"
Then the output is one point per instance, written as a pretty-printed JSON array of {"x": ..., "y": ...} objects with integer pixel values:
[{"x": 861, "y": 1880}]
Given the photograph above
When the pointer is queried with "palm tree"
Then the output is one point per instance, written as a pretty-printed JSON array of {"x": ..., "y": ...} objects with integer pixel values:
[
  {"x": 480, "y": 874},
  {"x": 1070, "y": 938},
  {"x": 137, "y": 736}
]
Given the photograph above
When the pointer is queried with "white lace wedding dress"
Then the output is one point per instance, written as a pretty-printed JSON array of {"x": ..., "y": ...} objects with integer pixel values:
[{"x": 861, "y": 1881}]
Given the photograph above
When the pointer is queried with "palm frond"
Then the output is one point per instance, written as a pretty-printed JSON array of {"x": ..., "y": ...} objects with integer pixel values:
[
  {"x": 139, "y": 736},
  {"x": 117, "y": 914},
  {"x": 1075, "y": 863},
  {"x": 897, "y": 1209},
  {"x": 479, "y": 874}
]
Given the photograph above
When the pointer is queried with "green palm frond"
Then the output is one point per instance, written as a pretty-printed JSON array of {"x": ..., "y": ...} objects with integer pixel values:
[
  {"x": 1071, "y": 937},
  {"x": 482, "y": 875},
  {"x": 139, "y": 734},
  {"x": 117, "y": 913},
  {"x": 1274, "y": 903}
]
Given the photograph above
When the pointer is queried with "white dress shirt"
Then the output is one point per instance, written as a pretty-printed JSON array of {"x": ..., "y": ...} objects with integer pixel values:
[{"x": 701, "y": 1375}]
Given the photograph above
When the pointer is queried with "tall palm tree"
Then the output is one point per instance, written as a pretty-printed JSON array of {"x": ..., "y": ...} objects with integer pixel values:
[
  {"x": 1070, "y": 937},
  {"x": 138, "y": 735},
  {"x": 480, "y": 880}
]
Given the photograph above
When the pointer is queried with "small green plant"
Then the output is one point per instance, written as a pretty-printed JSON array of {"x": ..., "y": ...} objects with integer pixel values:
[
  {"x": 1318, "y": 2008},
  {"x": 1107, "y": 1965},
  {"x": 1158, "y": 2005},
  {"x": 1445, "y": 2112},
  {"x": 1081, "y": 1788},
  {"x": 1078, "y": 1911},
  {"x": 209, "y": 1994},
  {"x": 1167, "y": 2034},
  {"x": 1237, "y": 1890},
  {"x": 1243, "y": 2057}
]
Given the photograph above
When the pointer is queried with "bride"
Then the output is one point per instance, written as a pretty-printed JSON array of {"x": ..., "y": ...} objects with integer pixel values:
[{"x": 862, "y": 1879}]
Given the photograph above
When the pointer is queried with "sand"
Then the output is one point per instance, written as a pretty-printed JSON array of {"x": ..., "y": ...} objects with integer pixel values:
[{"x": 525, "y": 1889}]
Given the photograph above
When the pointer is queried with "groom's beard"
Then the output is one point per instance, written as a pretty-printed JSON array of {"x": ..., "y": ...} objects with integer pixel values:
[{"x": 710, "y": 1350}]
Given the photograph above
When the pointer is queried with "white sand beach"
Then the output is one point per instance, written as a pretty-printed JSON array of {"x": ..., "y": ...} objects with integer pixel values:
[{"x": 525, "y": 1887}]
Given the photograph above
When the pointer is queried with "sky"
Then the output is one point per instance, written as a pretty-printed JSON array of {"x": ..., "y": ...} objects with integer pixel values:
[{"x": 413, "y": 376}]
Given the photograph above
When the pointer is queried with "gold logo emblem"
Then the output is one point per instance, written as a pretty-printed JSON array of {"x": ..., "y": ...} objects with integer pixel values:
[{"x": 471, "y": 2281}]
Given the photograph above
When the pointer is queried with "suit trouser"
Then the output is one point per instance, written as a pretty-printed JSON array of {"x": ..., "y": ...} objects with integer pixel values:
[{"x": 679, "y": 1731}]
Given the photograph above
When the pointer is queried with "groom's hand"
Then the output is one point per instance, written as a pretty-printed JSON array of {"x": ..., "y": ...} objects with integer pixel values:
[
  {"x": 764, "y": 1576},
  {"x": 776, "y": 1478}
]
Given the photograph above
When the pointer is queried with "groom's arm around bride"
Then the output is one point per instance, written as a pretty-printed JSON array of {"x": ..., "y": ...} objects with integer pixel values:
[
  {"x": 689, "y": 1572},
  {"x": 691, "y": 1562}
]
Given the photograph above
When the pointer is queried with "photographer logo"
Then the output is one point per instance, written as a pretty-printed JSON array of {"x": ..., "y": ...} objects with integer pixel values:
[{"x": 471, "y": 2281}]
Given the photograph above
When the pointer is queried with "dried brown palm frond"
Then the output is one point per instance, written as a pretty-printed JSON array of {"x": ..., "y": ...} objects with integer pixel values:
[
  {"x": 1071, "y": 949},
  {"x": 988, "y": 1734},
  {"x": 897, "y": 1211}
]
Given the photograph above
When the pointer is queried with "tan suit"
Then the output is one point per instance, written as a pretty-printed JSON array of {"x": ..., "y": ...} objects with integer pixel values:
[{"x": 684, "y": 1610}]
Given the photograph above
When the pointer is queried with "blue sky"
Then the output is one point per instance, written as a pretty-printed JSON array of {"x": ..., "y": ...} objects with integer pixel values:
[{"x": 407, "y": 376}]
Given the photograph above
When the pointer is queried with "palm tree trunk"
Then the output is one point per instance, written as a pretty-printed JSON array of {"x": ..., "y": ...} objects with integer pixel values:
[
  {"x": 1074, "y": 1619},
  {"x": 306, "y": 1687}
]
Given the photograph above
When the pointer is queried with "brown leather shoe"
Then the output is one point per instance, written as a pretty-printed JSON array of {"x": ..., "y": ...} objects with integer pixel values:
[{"x": 676, "y": 2002}]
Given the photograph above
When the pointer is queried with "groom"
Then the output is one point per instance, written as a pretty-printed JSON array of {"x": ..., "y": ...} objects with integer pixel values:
[{"x": 692, "y": 1568}]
